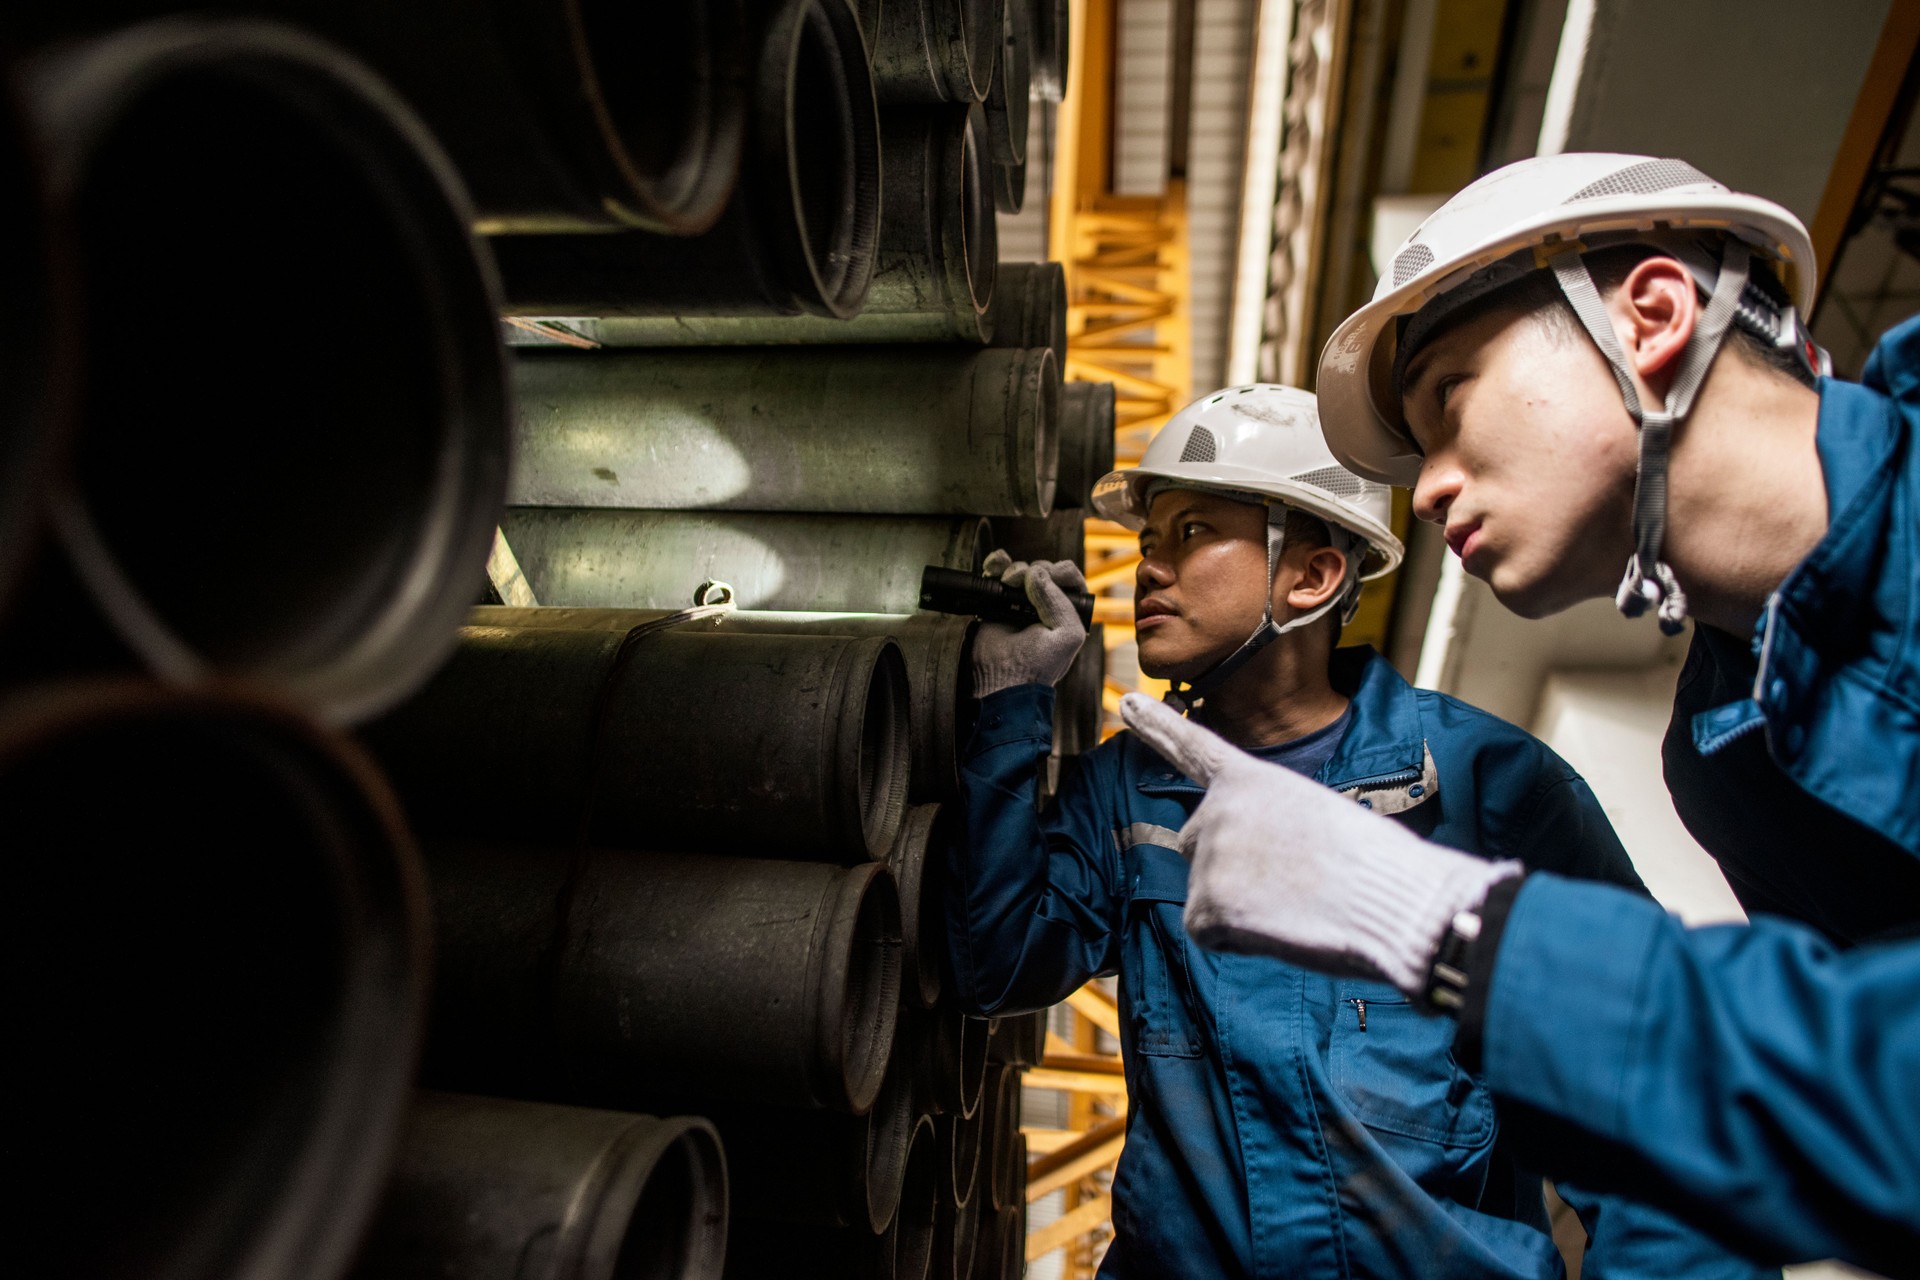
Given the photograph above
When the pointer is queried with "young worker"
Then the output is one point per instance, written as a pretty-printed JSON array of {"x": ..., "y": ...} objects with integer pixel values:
[
  {"x": 1540, "y": 365},
  {"x": 1280, "y": 1123}
]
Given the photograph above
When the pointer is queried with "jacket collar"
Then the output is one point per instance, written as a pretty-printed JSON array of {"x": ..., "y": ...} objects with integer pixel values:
[{"x": 1382, "y": 761}]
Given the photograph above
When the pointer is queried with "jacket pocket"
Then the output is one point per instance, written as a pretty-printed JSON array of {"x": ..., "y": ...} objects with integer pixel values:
[
  {"x": 1394, "y": 1068},
  {"x": 1155, "y": 961}
]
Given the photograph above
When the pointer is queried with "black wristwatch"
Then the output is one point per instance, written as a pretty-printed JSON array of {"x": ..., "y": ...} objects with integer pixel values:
[{"x": 1446, "y": 989}]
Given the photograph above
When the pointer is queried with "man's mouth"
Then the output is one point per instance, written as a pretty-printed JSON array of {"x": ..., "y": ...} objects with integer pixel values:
[
  {"x": 1151, "y": 613},
  {"x": 1464, "y": 539}
]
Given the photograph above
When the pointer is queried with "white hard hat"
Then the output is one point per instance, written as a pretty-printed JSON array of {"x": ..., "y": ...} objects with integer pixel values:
[
  {"x": 1263, "y": 441},
  {"x": 1533, "y": 205}
]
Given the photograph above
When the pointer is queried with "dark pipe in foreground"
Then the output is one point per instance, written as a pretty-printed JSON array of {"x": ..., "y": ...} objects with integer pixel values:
[
  {"x": 656, "y": 559},
  {"x": 614, "y": 978},
  {"x": 790, "y": 746},
  {"x": 799, "y": 235},
  {"x": 956, "y": 1226},
  {"x": 1000, "y": 1136},
  {"x": 218, "y": 976},
  {"x": 952, "y": 1050},
  {"x": 1050, "y": 34},
  {"x": 259, "y": 488},
  {"x": 488, "y": 1189},
  {"x": 918, "y": 430},
  {"x": 1030, "y": 308},
  {"x": 935, "y": 648}
]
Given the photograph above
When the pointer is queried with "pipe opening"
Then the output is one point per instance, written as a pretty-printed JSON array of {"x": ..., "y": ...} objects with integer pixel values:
[
  {"x": 963, "y": 1154},
  {"x": 885, "y": 751},
  {"x": 659, "y": 1241},
  {"x": 261, "y": 483},
  {"x": 973, "y": 1063},
  {"x": 658, "y": 73},
  {"x": 871, "y": 1004},
  {"x": 980, "y": 33},
  {"x": 979, "y": 233},
  {"x": 913, "y": 1226},
  {"x": 822, "y": 139},
  {"x": 197, "y": 902},
  {"x": 889, "y": 1132}
]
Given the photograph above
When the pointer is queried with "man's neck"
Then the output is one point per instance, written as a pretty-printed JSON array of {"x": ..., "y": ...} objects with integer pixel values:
[
  {"x": 1283, "y": 693},
  {"x": 1747, "y": 497}
]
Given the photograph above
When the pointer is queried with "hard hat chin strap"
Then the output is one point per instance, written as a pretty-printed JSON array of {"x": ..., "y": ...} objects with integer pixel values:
[
  {"x": 1649, "y": 581},
  {"x": 1195, "y": 694}
]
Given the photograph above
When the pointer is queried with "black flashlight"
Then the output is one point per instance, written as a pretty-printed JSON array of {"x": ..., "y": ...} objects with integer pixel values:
[{"x": 989, "y": 599}]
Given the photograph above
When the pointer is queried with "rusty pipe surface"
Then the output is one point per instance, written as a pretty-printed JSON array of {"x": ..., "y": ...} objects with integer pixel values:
[
  {"x": 1086, "y": 442},
  {"x": 903, "y": 1251},
  {"x": 274, "y": 498},
  {"x": 935, "y": 647},
  {"x": 37, "y": 344},
  {"x": 680, "y": 739},
  {"x": 799, "y": 235},
  {"x": 562, "y": 115},
  {"x": 1009, "y": 99},
  {"x": 221, "y": 981},
  {"x": 655, "y": 559},
  {"x": 935, "y": 263},
  {"x": 919, "y": 430},
  {"x": 936, "y": 50},
  {"x": 490, "y": 1189},
  {"x": 620, "y": 978}
]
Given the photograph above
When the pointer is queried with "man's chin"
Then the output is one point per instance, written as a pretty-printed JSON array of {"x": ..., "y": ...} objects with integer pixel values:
[
  {"x": 1536, "y": 598},
  {"x": 1170, "y": 666}
]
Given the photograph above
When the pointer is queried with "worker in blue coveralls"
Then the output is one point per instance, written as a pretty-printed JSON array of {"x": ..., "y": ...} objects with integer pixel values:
[
  {"x": 1280, "y": 1124},
  {"x": 1539, "y": 363}
]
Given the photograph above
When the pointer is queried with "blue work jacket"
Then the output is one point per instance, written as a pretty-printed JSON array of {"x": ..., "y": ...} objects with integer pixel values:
[
  {"x": 1794, "y": 754},
  {"x": 1282, "y": 1124},
  {"x": 1758, "y": 1078}
]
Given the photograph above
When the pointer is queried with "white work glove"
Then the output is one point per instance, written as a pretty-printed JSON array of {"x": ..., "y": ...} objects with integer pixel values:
[
  {"x": 1283, "y": 866},
  {"x": 1005, "y": 656}
]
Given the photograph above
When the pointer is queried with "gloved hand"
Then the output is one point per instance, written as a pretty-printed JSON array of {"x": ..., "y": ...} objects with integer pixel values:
[
  {"x": 1283, "y": 866},
  {"x": 1005, "y": 656}
]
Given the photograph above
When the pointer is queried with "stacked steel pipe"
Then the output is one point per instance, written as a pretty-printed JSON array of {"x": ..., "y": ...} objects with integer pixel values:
[{"x": 678, "y": 848}]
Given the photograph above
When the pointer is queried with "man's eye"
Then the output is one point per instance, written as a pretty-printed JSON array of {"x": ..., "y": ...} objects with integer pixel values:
[
  {"x": 1444, "y": 391},
  {"x": 1190, "y": 528}
]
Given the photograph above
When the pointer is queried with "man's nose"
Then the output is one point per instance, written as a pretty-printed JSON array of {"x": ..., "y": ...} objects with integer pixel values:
[{"x": 1434, "y": 492}]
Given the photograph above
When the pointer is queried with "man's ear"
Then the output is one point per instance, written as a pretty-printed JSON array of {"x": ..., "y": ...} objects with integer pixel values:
[
  {"x": 1655, "y": 310},
  {"x": 1321, "y": 574}
]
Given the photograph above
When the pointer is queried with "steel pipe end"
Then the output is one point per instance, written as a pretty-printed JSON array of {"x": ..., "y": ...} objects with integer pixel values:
[
  {"x": 973, "y": 249},
  {"x": 1050, "y": 36},
  {"x": 890, "y": 1127},
  {"x": 292, "y": 502},
  {"x": 922, "y": 925},
  {"x": 972, "y": 1043},
  {"x": 960, "y": 1155},
  {"x": 1010, "y": 187},
  {"x": 859, "y": 1000},
  {"x": 221, "y": 981},
  {"x": 973, "y": 58},
  {"x": 1086, "y": 441},
  {"x": 1009, "y": 101},
  {"x": 873, "y": 744},
  {"x": 908, "y": 1241},
  {"x": 955, "y": 1234},
  {"x": 1026, "y": 397},
  {"x": 666, "y": 87},
  {"x": 674, "y": 1174},
  {"x": 820, "y": 155}
]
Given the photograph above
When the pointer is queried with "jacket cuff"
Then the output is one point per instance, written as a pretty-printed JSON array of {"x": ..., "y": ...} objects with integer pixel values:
[
  {"x": 1480, "y": 967},
  {"x": 1022, "y": 713}
]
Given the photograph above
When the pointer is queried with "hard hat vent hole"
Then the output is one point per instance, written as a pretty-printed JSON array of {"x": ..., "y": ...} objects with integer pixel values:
[
  {"x": 1337, "y": 481},
  {"x": 1644, "y": 179},
  {"x": 1412, "y": 261},
  {"x": 1201, "y": 447}
]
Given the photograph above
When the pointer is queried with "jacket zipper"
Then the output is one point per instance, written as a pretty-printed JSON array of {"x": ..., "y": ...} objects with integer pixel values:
[{"x": 1359, "y": 1007}]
